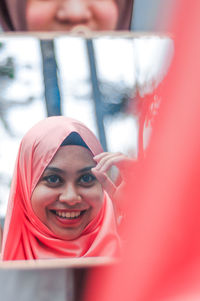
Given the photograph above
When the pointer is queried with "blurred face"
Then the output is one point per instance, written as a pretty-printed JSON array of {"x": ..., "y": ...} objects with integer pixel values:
[
  {"x": 66, "y": 15},
  {"x": 68, "y": 196}
]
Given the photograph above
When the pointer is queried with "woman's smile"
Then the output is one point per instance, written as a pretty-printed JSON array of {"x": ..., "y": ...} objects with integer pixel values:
[
  {"x": 68, "y": 214},
  {"x": 68, "y": 196},
  {"x": 68, "y": 217}
]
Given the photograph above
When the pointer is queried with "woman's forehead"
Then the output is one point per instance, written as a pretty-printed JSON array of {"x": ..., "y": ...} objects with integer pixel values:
[{"x": 72, "y": 155}]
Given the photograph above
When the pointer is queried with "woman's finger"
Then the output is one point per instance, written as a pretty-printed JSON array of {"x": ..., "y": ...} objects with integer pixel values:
[
  {"x": 122, "y": 162},
  {"x": 102, "y": 155},
  {"x": 105, "y": 161}
]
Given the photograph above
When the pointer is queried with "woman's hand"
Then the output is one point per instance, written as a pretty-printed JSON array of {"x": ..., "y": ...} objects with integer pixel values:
[{"x": 125, "y": 166}]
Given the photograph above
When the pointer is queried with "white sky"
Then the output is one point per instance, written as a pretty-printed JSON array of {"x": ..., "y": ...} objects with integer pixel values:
[{"x": 117, "y": 60}]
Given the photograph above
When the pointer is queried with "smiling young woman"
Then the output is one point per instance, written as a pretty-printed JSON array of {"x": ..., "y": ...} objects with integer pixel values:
[
  {"x": 65, "y": 15},
  {"x": 59, "y": 204},
  {"x": 68, "y": 196}
]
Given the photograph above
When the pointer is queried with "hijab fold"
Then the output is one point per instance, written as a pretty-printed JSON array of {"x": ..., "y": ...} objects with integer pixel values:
[
  {"x": 25, "y": 236},
  {"x": 125, "y": 14},
  {"x": 12, "y": 15}
]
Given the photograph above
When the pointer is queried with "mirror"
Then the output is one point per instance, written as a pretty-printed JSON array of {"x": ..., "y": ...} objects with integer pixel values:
[{"x": 97, "y": 81}]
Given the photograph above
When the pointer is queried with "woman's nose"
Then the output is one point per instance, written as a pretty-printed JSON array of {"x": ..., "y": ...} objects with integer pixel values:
[
  {"x": 73, "y": 12},
  {"x": 70, "y": 195}
]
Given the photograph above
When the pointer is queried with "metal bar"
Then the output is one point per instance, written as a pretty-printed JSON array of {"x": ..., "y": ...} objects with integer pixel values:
[
  {"x": 52, "y": 93},
  {"x": 96, "y": 94}
]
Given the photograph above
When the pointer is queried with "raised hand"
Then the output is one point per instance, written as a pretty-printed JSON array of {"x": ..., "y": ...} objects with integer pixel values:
[{"x": 125, "y": 166}]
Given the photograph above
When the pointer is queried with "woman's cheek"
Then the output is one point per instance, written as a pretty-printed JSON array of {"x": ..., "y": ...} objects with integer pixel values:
[
  {"x": 106, "y": 15},
  {"x": 39, "y": 15},
  {"x": 41, "y": 197},
  {"x": 94, "y": 197}
]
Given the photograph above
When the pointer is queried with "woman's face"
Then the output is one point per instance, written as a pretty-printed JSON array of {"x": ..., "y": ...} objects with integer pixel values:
[
  {"x": 66, "y": 15},
  {"x": 68, "y": 196}
]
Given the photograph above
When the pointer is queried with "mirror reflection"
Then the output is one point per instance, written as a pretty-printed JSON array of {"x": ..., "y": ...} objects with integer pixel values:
[
  {"x": 65, "y": 15},
  {"x": 58, "y": 195},
  {"x": 96, "y": 82}
]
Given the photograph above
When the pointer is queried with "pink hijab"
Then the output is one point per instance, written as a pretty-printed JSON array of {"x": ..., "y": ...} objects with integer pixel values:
[
  {"x": 12, "y": 14},
  {"x": 25, "y": 236}
]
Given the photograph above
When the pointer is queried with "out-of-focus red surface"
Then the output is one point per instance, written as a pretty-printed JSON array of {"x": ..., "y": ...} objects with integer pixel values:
[{"x": 161, "y": 259}]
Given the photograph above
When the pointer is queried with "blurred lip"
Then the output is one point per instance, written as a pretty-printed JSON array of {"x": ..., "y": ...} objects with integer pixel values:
[
  {"x": 74, "y": 28},
  {"x": 80, "y": 29}
]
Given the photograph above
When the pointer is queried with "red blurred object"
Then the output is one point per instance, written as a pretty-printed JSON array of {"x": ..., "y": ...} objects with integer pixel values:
[{"x": 161, "y": 259}]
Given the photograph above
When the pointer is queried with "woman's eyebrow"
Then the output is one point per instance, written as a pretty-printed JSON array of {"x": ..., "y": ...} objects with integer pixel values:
[
  {"x": 54, "y": 169},
  {"x": 58, "y": 170},
  {"x": 88, "y": 168}
]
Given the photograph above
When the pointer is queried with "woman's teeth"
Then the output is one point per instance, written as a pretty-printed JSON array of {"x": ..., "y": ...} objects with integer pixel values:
[{"x": 68, "y": 215}]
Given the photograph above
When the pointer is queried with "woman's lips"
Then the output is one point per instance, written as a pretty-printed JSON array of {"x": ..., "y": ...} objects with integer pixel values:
[
  {"x": 66, "y": 217},
  {"x": 68, "y": 214}
]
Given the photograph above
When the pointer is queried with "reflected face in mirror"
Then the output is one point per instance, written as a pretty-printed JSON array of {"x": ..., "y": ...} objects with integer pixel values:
[
  {"x": 67, "y": 15},
  {"x": 68, "y": 196}
]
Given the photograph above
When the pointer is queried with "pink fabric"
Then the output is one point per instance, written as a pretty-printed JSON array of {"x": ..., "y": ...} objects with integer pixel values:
[
  {"x": 25, "y": 236},
  {"x": 12, "y": 15},
  {"x": 125, "y": 14}
]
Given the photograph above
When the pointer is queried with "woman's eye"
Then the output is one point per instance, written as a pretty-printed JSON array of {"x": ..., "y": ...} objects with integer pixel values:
[
  {"x": 53, "y": 180},
  {"x": 87, "y": 179}
]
